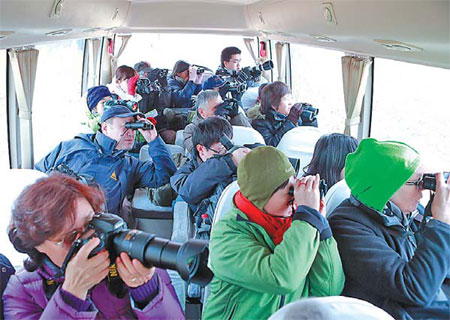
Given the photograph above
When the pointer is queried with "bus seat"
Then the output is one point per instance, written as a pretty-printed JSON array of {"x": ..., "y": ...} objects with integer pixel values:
[
  {"x": 299, "y": 143},
  {"x": 225, "y": 202},
  {"x": 14, "y": 181},
  {"x": 179, "y": 140},
  {"x": 245, "y": 135},
  {"x": 183, "y": 228},
  {"x": 335, "y": 195},
  {"x": 144, "y": 156}
]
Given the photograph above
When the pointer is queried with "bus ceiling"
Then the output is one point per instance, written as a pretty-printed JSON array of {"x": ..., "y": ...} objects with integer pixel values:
[{"x": 410, "y": 31}]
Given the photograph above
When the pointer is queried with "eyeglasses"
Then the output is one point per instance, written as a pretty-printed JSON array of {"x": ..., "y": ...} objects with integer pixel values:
[
  {"x": 221, "y": 149},
  {"x": 417, "y": 183},
  {"x": 235, "y": 60},
  {"x": 70, "y": 238}
]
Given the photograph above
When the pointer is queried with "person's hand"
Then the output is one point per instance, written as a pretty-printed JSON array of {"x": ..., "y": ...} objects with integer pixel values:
[
  {"x": 82, "y": 273},
  {"x": 441, "y": 203},
  {"x": 149, "y": 135},
  {"x": 133, "y": 273},
  {"x": 306, "y": 192},
  {"x": 193, "y": 73},
  {"x": 294, "y": 113},
  {"x": 238, "y": 154}
]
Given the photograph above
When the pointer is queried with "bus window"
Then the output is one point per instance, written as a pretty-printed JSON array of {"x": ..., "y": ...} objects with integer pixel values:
[
  {"x": 163, "y": 50},
  {"x": 4, "y": 154},
  {"x": 410, "y": 104},
  {"x": 317, "y": 79},
  {"x": 58, "y": 109}
]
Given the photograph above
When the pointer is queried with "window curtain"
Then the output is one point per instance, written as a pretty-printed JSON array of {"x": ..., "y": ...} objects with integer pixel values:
[
  {"x": 94, "y": 59},
  {"x": 123, "y": 45},
  {"x": 249, "y": 43},
  {"x": 280, "y": 49},
  {"x": 24, "y": 65},
  {"x": 355, "y": 71}
]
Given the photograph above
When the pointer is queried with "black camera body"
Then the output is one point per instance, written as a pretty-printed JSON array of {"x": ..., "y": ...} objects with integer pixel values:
[
  {"x": 309, "y": 113},
  {"x": 187, "y": 259},
  {"x": 229, "y": 107},
  {"x": 139, "y": 125},
  {"x": 428, "y": 181},
  {"x": 153, "y": 81}
]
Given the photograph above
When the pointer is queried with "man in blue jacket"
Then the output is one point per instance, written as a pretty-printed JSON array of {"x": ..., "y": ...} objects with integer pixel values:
[
  {"x": 387, "y": 259},
  {"x": 184, "y": 82},
  {"x": 103, "y": 156}
]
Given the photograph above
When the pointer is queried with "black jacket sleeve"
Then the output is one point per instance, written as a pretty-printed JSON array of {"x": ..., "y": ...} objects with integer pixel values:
[{"x": 271, "y": 135}]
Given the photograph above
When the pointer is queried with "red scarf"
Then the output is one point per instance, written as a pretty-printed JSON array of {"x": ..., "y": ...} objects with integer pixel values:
[{"x": 274, "y": 226}]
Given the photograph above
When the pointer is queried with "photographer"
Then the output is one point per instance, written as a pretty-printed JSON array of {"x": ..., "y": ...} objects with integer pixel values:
[
  {"x": 46, "y": 219},
  {"x": 271, "y": 248},
  {"x": 103, "y": 156},
  {"x": 387, "y": 259},
  {"x": 209, "y": 104},
  {"x": 184, "y": 82},
  {"x": 280, "y": 113}
]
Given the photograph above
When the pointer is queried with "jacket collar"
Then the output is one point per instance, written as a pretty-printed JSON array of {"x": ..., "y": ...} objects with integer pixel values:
[
  {"x": 275, "y": 115},
  {"x": 107, "y": 145},
  {"x": 390, "y": 216}
]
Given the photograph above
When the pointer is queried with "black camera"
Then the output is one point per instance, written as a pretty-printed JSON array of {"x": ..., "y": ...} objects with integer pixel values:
[
  {"x": 226, "y": 142},
  {"x": 155, "y": 81},
  {"x": 187, "y": 259},
  {"x": 323, "y": 188},
  {"x": 229, "y": 107},
  {"x": 265, "y": 66},
  {"x": 200, "y": 70},
  {"x": 309, "y": 113},
  {"x": 139, "y": 125},
  {"x": 428, "y": 181}
]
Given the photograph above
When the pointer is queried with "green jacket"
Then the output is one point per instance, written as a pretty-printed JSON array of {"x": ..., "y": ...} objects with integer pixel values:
[{"x": 253, "y": 278}]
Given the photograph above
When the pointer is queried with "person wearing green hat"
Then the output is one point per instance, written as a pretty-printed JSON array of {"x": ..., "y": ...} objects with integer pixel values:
[
  {"x": 271, "y": 248},
  {"x": 388, "y": 259}
]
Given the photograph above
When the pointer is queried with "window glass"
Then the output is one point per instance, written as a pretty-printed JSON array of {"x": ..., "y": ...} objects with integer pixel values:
[
  {"x": 58, "y": 110},
  {"x": 163, "y": 50},
  {"x": 317, "y": 79},
  {"x": 4, "y": 152},
  {"x": 411, "y": 104}
]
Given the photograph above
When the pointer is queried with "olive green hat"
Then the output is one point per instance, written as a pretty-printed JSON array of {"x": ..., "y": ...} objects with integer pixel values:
[
  {"x": 377, "y": 169},
  {"x": 261, "y": 172}
]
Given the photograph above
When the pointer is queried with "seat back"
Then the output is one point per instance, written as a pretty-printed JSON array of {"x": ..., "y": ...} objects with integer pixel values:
[
  {"x": 144, "y": 156},
  {"x": 335, "y": 195},
  {"x": 299, "y": 143},
  {"x": 246, "y": 135},
  {"x": 225, "y": 202},
  {"x": 14, "y": 181}
]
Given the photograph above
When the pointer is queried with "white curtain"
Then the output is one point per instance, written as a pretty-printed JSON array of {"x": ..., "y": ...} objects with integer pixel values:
[
  {"x": 280, "y": 49},
  {"x": 94, "y": 59},
  {"x": 24, "y": 64},
  {"x": 249, "y": 43},
  {"x": 115, "y": 57},
  {"x": 354, "y": 72}
]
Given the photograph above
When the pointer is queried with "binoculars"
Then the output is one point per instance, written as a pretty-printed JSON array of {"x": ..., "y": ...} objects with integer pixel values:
[{"x": 139, "y": 125}]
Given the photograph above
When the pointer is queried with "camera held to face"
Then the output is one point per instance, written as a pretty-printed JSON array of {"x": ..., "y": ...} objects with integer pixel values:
[
  {"x": 428, "y": 181},
  {"x": 187, "y": 259},
  {"x": 309, "y": 113},
  {"x": 139, "y": 125},
  {"x": 323, "y": 188}
]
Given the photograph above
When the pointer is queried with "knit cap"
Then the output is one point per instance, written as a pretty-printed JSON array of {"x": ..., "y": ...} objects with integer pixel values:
[
  {"x": 261, "y": 172},
  {"x": 377, "y": 169},
  {"x": 95, "y": 94}
]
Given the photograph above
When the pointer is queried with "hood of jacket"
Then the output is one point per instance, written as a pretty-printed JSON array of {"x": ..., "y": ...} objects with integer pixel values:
[{"x": 377, "y": 169}]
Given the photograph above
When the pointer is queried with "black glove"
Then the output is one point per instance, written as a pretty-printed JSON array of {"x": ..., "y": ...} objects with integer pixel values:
[{"x": 294, "y": 113}]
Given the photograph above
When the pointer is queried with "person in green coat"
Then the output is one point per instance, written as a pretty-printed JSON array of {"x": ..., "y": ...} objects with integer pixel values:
[{"x": 272, "y": 247}]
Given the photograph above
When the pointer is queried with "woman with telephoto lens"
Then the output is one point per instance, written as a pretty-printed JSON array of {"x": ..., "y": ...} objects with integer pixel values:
[{"x": 47, "y": 218}]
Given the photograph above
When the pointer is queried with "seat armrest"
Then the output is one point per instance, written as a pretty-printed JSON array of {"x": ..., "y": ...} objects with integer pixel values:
[{"x": 183, "y": 228}]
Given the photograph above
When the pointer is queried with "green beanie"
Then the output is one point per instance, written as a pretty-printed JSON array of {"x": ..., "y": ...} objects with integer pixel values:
[
  {"x": 377, "y": 169},
  {"x": 261, "y": 172}
]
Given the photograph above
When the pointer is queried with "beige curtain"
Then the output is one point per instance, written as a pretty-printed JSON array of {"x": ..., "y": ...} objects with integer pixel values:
[
  {"x": 354, "y": 73},
  {"x": 94, "y": 60},
  {"x": 280, "y": 49},
  {"x": 115, "y": 57},
  {"x": 24, "y": 64},
  {"x": 249, "y": 43}
]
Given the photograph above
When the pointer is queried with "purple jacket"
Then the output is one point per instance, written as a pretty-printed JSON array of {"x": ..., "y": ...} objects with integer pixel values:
[{"x": 24, "y": 298}]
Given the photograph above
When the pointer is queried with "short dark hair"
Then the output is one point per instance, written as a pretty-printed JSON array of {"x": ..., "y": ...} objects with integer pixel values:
[
  {"x": 125, "y": 73},
  {"x": 227, "y": 53},
  {"x": 329, "y": 156},
  {"x": 271, "y": 95},
  {"x": 209, "y": 131}
]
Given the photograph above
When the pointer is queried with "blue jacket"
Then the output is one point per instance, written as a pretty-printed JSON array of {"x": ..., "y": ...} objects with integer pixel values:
[
  {"x": 114, "y": 170},
  {"x": 390, "y": 263},
  {"x": 25, "y": 298},
  {"x": 182, "y": 93},
  {"x": 275, "y": 125}
]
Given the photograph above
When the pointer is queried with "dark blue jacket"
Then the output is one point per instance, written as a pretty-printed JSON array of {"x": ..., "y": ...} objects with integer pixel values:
[
  {"x": 390, "y": 263},
  {"x": 114, "y": 170},
  {"x": 182, "y": 93},
  {"x": 275, "y": 125}
]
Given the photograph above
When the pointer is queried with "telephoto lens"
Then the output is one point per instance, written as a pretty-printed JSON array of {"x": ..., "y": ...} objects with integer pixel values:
[{"x": 139, "y": 125}]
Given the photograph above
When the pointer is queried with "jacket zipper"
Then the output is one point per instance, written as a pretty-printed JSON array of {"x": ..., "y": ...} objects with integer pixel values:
[{"x": 282, "y": 302}]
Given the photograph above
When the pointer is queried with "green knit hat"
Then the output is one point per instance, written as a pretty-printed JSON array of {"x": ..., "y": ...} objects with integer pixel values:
[
  {"x": 261, "y": 172},
  {"x": 377, "y": 169}
]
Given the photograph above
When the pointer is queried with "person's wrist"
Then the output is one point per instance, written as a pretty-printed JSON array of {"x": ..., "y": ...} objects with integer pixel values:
[{"x": 77, "y": 292}]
